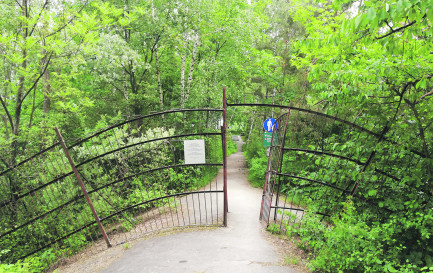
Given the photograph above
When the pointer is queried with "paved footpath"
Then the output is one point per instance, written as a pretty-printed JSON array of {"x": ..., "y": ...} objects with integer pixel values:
[{"x": 241, "y": 247}]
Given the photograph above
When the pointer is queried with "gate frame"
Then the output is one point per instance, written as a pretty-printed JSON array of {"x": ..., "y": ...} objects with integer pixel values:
[
  {"x": 379, "y": 136},
  {"x": 63, "y": 149}
]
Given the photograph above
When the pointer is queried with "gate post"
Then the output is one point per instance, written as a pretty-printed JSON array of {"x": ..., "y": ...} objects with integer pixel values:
[
  {"x": 280, "y": 163},
  {"x": 224, "y": 137},
  {"x": 89, "y": 202}
]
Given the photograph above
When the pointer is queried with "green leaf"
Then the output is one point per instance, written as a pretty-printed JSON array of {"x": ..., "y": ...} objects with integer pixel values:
[
  {"x": 358, "y": 21},
  {"x": 371, "y": 14},
  {"x": 430, "y": 15},
  {"x": 372, "y": 192},
  {"x": 382, "y": 15},
  {"x": 422, "y": 83}
]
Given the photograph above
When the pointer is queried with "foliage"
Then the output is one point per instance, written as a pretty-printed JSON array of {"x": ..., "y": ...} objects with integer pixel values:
[
  {"x": 31, "y": 264},
  {"x": 348, "y": 243},
  {"x": 367, "y": 62},
  {"x": 274, "y": 229},
  {"x": 371, "y": 57},
  {"x": 257, "y": 161}
]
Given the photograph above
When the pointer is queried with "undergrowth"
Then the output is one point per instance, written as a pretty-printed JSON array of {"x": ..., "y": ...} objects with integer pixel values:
[{"x": 348, "y": 243}]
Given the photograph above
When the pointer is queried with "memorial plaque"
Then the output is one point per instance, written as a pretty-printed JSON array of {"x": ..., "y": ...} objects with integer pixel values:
[{"x": 194, "y": 151}]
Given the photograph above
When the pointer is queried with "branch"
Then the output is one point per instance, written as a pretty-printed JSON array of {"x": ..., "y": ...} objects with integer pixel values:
[
  {"x": 39, "y": 16},
  {"x": 396, "y": 30},
  {"x": 218, "y": 48},
  {"x": 386, "y": 21},
  {"x": 427, "y": 94},
  {"x": 39, "y": 77},
  {"x": 16, "y": 1},
  {"x": 325, "y": 100},
  {"x": 70, "y": 21},
  {"x": 126, "y": 70},
  {"x": 7, "y": 112},
  {"x": 152, "y": 50},
  {"x": 428, "y": 125},
  {"x": 115, "y": 87}
]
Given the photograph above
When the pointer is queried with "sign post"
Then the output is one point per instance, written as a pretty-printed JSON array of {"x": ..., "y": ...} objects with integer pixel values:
[{"x": 270, "y": 125}]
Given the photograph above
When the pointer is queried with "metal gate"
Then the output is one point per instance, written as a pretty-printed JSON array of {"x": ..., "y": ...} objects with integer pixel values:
[
  {"x": 115, "y": 185},
  {"x": 320, "y": 160}
]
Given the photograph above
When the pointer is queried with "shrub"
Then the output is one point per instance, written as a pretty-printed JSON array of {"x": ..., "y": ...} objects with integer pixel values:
[{"x": 350, "y": 244}]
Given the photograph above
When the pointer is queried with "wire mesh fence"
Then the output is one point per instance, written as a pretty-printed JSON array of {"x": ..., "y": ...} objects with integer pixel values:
[{"x": 135, "y": 175}]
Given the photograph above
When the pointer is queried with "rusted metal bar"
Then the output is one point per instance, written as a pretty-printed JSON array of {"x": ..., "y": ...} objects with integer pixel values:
[
  {"x": 311, "y": 112},
  {"x": 297, "y": 209},
  {"x": 377, "y": 135},
  {"x": 267, "y": 179},
  {"x": 313, "y": 181},
  {"x": 280, "y": 159},
  {"x": 224, "y": 137},
  {"x": 143, "y": 117},
  {"x": 28, "y": 159},
  {"x": 89, "y": 202},
  {"x": 355, "y": 187},
  {"x": 160, "y": 198},
  {"x": 341, "y": 157},
  {"x": 324, "y": 153},
  {"x": 144, "y": 142}
]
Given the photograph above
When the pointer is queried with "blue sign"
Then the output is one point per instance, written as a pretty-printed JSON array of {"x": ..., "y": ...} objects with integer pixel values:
[{"x": 269, "y": 124}]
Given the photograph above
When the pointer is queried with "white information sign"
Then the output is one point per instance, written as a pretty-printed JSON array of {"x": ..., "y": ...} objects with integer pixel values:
[{"x": 194, "y": 151}]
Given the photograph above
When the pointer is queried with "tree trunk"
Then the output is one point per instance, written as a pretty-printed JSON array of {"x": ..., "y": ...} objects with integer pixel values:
[
  {"x": 191, "y": 67},
  {"x": 158, "y": 76},
  {"x": 47, "y": 90},
  {"x": 5, "y": 120},
  {"x": 20, "y": 93},
  {"x": 182, "y": 73},
  {"x": 33, "y": 106}
]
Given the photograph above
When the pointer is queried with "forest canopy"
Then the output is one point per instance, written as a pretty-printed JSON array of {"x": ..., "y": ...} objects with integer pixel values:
[{"x": 78, "y": 65}]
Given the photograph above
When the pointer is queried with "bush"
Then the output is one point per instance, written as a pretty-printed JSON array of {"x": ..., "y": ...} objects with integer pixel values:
[
  {"x": 257, "y": 160},
  {"x": 29, "y": 265},
  {"x": 257, "y": 171},
  {"x": 350, "y": 244},
  {"x": 232, "y": 147}
]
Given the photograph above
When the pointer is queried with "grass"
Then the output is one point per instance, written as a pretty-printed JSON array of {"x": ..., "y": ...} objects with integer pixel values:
[
  {"x": 126, "y": 246},
  {"x": 291, "y": 260}
]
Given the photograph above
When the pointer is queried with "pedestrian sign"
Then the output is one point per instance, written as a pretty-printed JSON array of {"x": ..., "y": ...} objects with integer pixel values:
[
  {"x": 269, "y": 124},
  {"x": 267, "y": 138}
]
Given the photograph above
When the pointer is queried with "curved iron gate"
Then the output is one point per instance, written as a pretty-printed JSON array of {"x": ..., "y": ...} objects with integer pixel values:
[
  {"x": 322, "y": 159},
  {"x": 133, "y": 175}
]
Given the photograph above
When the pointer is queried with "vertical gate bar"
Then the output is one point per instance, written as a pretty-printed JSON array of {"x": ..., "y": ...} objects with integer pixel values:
[
  {"x": 224, "y": 137},
  {"x": 267, "y": 178},
  {"x": 65, "y": 149},
  {"x": 280, "y": 162}
]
